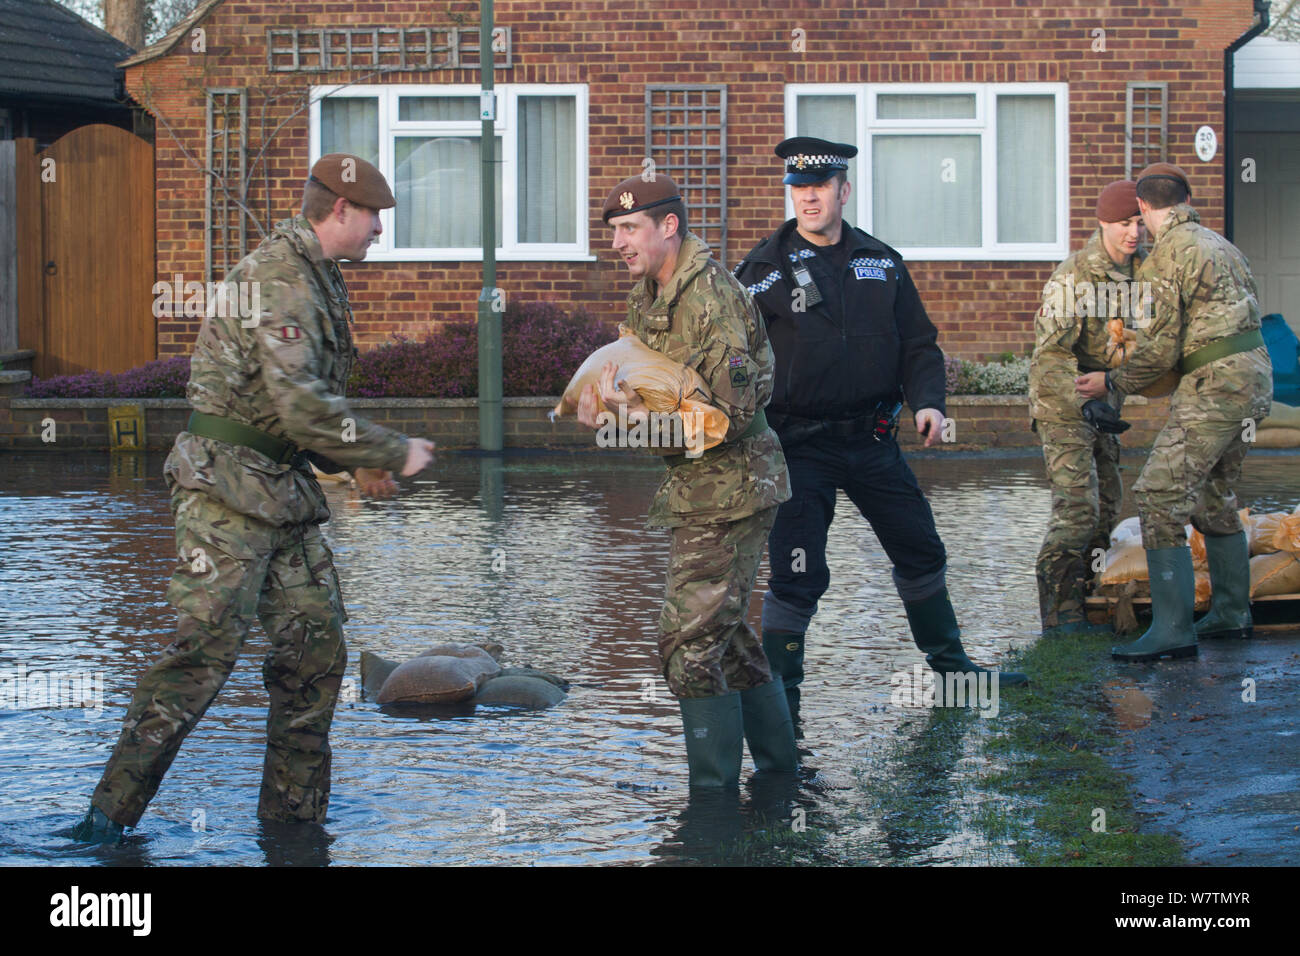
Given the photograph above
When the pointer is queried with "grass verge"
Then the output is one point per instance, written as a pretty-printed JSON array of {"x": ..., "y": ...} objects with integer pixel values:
[{"x": 1058, "y": 799}]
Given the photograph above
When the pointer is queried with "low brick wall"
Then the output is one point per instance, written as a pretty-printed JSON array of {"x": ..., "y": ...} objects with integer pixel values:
[{"x": 978, "y": 421}]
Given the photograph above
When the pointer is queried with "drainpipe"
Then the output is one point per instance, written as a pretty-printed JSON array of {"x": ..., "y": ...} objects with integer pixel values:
[
  {"x": 1229, "y": 100},
  {"x": 490, "y": 421}
]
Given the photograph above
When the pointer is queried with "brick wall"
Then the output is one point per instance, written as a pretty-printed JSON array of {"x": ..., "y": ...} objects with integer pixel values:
[{"x": 619, "y": 46}]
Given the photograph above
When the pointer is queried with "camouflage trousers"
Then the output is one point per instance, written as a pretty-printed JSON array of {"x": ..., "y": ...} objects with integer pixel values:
[
  {"x": 232, "y": 567},
  {"x": 1083, "y": 469},
  {"x": 1195, "y": 462},
  {"x": 706, "y": 645}
]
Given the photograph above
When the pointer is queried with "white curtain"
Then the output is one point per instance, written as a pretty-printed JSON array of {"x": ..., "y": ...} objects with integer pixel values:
[
  {"x": 1026, "y": 169},
  {"x": 926, "y": 190},
  {"x": 547, "y": 165},
  {"x": 834, "y": 118},
  {"x": 437, "y": 191},
  {"x": 350, "y": 125}
]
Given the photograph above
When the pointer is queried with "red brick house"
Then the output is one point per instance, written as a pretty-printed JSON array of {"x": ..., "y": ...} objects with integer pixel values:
[{"x": 986, "y": 129}]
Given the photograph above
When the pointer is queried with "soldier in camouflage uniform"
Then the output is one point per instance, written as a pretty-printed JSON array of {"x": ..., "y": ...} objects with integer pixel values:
[
  {"x": 1082, "y": 457},
  {"x": 1205, "y": 322},
  {"x": 268, "y": 396},
  {"x": 719, "y": 505}
]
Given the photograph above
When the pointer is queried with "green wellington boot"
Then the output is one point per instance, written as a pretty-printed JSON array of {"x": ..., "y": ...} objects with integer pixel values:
[
  {"x": 769, "y": 731},
  {"x": 1173, "y": 592},
  {"x": 1229, "y": 614},
  {"x": 935, "y": 630},
  {"x": 95, "y": 827},
  {"x": 784, "y": 650},
  {"x": 714, "y": 730}
]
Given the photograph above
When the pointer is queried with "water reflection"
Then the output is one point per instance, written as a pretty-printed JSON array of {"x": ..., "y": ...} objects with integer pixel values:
[{"x": 548, "y": 555}]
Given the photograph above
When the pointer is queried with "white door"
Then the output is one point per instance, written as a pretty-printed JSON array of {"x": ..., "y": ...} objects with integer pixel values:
[{"x": 1266, "y": 219}]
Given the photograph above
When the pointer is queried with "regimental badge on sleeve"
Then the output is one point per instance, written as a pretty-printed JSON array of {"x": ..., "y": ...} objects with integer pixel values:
[
  {"x": 290, "y": 332},
  {"x": 739, "y": 376}
]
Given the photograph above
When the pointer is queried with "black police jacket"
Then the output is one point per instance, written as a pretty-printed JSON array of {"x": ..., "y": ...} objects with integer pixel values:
[{"x": 868, "y": 341}]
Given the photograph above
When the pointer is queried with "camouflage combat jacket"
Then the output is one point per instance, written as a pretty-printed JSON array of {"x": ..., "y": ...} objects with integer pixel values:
[
  {"x": 1202, "y": 290},
  {"x": 284, "y": 371},
  {"x": 704, "y": 319},
  {"x": 1070, "y": 333}
]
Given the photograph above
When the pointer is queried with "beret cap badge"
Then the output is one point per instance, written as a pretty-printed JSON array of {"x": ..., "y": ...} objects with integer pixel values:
[{"x": 627, "y": 200}]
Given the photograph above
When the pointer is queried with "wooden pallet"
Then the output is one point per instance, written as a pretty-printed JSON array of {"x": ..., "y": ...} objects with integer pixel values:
[{"x": 1271, "y": 606}]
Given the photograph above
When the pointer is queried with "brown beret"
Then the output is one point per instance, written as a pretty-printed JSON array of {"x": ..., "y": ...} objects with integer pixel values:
[
  {"x": 354, "y": 179},
  {"x": 634, "y": 194},
  {"x": 1166, "y": 171},
  {"x": 1118, "y": 201}
]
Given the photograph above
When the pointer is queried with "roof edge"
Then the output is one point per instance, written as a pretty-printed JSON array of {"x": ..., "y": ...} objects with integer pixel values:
[{"x": 168, "y": 41}]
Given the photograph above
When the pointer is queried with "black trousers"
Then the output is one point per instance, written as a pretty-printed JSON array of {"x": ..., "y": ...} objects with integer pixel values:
[{"x": 877, "y": 480}]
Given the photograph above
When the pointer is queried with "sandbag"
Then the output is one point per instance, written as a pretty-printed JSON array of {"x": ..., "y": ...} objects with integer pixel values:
[
  {"x": 1263, "y": 529},
  {"x": 1203, "y": 591},
  {"x": 438, "y": 679},
  {"x": 1130, "y": 529},
  {"x": 1277, "y": 437},
  {"x": 1122, "y": 344},
  {"x": 1287, "y": 537},
  {"x": 664, "y": 385},
  {"x": 1125, "y": 562},
  {"x": 1277, "y": 573},
  {"x": 519, "y": 691},
  {"x": 1281, "y": 416},
  {"x": 1196, "y": 540}
]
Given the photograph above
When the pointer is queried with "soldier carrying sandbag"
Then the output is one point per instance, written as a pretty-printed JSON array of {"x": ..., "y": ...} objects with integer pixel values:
[
  {"x": 1205, "y": 323},
  {"x": 719, "y": 505}
]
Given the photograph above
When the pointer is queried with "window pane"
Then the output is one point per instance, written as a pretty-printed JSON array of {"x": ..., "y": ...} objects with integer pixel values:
[
  {"x": 438, "y": 108},
  {"x": 925, "y": 106},
  {"x": 1026, "y": 169},
  {"x": 547, "y": 169},
  {"x": 438, "y": 192},
  {"x": 350, "y": 125},
  {"x": 833, "y": 118},
  {"x": 926, "y": 190}
]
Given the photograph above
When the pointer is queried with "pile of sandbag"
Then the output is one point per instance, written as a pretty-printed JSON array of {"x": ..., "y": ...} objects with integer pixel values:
[
  {"x": 1274, "y": 541},
  {"x": 1281, "y": 429}
]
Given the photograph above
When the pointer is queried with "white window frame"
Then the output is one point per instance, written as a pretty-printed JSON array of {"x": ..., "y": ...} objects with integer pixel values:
[
  {"x": 509, "y": 248},
  {"x": 985, "y": 125}
]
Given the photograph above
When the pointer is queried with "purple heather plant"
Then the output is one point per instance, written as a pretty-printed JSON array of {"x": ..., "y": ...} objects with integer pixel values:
[
  {"x": 162, "y": 378},
  {"x": 542, "y": 347}
]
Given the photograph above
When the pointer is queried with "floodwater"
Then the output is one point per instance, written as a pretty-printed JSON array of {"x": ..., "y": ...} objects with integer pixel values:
[{"x": 548, "y": 555}]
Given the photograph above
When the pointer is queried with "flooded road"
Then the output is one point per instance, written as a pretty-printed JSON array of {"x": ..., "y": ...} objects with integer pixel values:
[{"x": 545, "y": 554}]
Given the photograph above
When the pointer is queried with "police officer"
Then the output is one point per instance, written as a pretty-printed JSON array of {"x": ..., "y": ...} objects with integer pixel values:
[
  {"x": 719, "y": 505},
  {"x": 1205, "y": 323},
  {"x": 1080, "y": 437},
  {"x": 852, "y": 341},
  {"x": 268, "y": 398}
]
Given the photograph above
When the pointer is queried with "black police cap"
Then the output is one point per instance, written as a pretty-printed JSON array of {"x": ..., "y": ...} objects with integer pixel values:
[{"x": 812, "y": 160}]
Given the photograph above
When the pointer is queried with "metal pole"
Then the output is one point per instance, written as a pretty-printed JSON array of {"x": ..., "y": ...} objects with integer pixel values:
[{"x": 491, "y": 302}]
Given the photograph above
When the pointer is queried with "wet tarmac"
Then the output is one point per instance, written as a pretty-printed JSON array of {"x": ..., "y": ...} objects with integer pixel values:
[{"x": 1213, "y": 745}]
